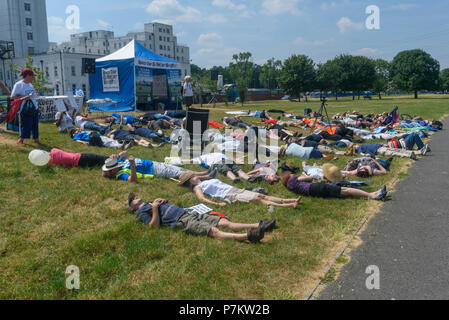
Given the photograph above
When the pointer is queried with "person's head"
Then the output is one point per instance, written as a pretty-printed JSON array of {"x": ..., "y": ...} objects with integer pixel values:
[
  {"x": 111, "y": 168},
  {"x": 188, "y": 79},
  {"x": 364, "y": 172},
  {"x": 272, "y": 178},
  {"x": 192, "y": 182},
  {"x": 73, "y": 133},
  {"x": 133, "y": 203},
  {"x": 28, "y": 75},
  {"x": 109, "y": 120},
  {"x": 285, "y": 177},
  {"x": 332, "y": 173}
]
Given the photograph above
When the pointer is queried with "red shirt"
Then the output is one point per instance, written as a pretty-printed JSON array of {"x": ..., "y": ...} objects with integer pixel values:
[{"x": 64, "y": 159}]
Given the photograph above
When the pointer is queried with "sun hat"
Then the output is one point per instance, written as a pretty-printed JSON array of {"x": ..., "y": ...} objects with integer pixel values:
[
  {"x": 28, "y": 72},
  {"x": 39, "y": 158},
  {"x": 111, "y": 164},
  {"x": 283, "y": 150},
  {"x": 187, "y": 77},
  {"x": 332, "y": 173},
  {"x": 185, "y": 177}
]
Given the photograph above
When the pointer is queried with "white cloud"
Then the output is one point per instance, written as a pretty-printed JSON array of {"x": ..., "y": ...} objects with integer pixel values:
[
  {"x": 104, "y": 24},
  {"x": 303, "y": 42},
  {"x": 172, "y": 9},
  {"x": 217, "y": 18},
  {"x": 210, "y": 40},
  {"x": 275, "y": 7},
  {"x": 334, "y": 4},
  {"x": 345, "y": 24},
  {"x": 57, "y": 30},
  {"x": 368, "y": 52},
  {"x": 404, "y": 6},
  {"x": 228, "y": 4},
  {"x": 209, "y": 57}
]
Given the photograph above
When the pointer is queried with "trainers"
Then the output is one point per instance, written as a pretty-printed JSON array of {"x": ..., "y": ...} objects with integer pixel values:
[
  {"x": 268, "y": 225},
  {"x": 128, "y": 145},
  {"x": 254, "y": 236},
  {"x": 213, "y": 174},
  {"x": 413, "y": 156},
  {"x": 425, "y": 150},
  {"x": 20, "y": 143}
]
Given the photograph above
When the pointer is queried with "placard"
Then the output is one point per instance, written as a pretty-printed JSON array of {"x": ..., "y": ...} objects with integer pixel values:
[
  {"x": 111, "y": 81},
  {"x": 160, "y": 86}
]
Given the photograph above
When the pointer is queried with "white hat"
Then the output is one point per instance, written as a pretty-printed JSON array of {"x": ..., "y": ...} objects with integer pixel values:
[
  {"x": 187, "y": 78},
  {"x": 111, "y": 164},
  {"x": 39, "y": 158}
]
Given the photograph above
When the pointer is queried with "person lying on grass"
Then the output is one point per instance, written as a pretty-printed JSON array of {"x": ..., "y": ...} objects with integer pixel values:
[
  {"x": 129, "y": 139},
  {"x": 94, "y": 139},
  {"x": 313, "y": 144},
  {"x": 161, "y": 213},
  {"x": 367, "y": 167},
  {"x": 147, "y": 133},
  {"x": 128, "y": 168},
  {"x": 229, "y": 195},
  {"x": 304, "y": 185},
  {"x": 74, "y": 160},
  {"x": 295, "y": 150},
  {"x": 267, "y": 172},
  {"x": 84, "y": 123}
]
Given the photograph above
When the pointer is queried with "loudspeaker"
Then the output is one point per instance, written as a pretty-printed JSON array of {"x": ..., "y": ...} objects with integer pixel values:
[
  {"x": 88, "y": 65},
  {"x": 214, "y": 75}
]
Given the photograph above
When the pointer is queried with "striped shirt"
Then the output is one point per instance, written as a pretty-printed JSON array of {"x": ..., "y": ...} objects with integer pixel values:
[{"x": 168, "y": 213}]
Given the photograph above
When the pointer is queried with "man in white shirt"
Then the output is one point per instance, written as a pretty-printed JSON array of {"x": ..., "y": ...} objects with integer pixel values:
[{"x": 187, "y": 92}]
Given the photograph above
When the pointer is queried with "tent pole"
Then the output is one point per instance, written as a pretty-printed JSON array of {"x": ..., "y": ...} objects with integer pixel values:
[{"x": 135, "y": 88}]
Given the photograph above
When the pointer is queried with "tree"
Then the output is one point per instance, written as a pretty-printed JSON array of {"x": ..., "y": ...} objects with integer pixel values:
[
  {"x": 382, "y": 82},
  {"x": 298, "y": 75},
  {"x": 444, "y": 80},
  {"x": 364, "y": 74},
  {"x": 328, "y": 77},
  {"x": 241, "y": 69},
  {"x": 40, "y": 83},
  {"x": 270, "y": 74},
  {"x": 415, "y": 70},
  {"x": 345, "y": 64}
]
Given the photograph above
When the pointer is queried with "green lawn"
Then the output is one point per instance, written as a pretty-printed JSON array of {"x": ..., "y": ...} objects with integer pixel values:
[{"x": 51, "y": 218}]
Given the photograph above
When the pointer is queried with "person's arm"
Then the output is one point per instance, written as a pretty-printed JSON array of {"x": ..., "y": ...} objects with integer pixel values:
[
  {"x": 350, "y": 173},
  {"x": 304, "y": 178},
  {"x": 83, "y": 142},
  {"x": 156, "y": 219},
  {"x": 200, "y": 195},
  {"x": 133, "y": 177},
  {"x": 381, "y": 171},
  {"x": 59, "y": 121},
  {"x": 251, "y": 173}
]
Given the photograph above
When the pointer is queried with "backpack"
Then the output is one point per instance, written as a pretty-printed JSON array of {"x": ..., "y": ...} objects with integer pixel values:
[{"x": 28, "y": 109}]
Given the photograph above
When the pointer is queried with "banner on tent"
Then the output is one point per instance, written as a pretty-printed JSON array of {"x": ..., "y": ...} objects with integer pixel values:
[
  {"x": 160, "y": 86},
  {"x": 111, "y": 81},
  {"x": 157, "y": 64}
]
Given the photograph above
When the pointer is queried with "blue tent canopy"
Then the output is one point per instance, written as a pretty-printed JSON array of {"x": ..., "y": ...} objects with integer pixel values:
[{"x": 134, "y": 72}]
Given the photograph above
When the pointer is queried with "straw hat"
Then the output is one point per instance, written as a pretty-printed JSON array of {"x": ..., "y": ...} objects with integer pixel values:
[
  {"x": 111, "y": 164},
  {"x": 332, "y": 173},
  {"x": 185, "y": 177},
  {"x": 283, "y": 150}
]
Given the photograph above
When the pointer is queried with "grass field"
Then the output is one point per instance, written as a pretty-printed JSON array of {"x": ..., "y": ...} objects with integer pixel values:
[{"x": 51, "y": 218}]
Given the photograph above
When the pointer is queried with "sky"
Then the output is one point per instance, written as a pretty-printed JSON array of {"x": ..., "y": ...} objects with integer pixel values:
[{"x": 216, "y": 29}]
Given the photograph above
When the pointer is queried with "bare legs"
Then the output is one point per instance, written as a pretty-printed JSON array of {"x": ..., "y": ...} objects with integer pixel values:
[
  {"x": 242, "y": 175},
  {"x": 356, "y": 193},
  {"x": 236, "y": 227},
  {"x": 278, "y": 202}
]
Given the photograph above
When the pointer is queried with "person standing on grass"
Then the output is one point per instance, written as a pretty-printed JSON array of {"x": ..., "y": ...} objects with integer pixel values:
[
  {"x": 187, "y": 92},
  {"x": 29, "y": 109},
  {"x": 161, "y": 213}
]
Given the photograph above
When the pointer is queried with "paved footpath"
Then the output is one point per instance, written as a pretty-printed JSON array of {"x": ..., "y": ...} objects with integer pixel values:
[{"x": 408, "y": 240}]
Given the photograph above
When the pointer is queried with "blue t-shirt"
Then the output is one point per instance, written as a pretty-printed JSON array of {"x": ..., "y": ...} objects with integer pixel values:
[
  {"x": 370, "y": 149},
  {"x": 127, "y": 119},
  {"x": 168, "y": 213},
  {"x": 143, "y": 167},
  {"x": 82, "y": 136}
]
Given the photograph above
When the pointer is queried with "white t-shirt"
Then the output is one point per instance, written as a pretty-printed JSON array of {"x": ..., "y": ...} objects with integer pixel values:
[
  {"x": 23, "y": 89},
  {"x": 79, "y": 122},
  {"x": 215, "y": 188},
  {"x": 189, "y": 89},
  {"x": 66, "y": 122},
  {"x": 212, "y": 158}
]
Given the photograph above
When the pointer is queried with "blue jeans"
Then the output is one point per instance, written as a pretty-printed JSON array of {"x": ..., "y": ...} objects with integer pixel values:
[
  {"x": 29, "y": 125},
  {"x": 147, "y": 133},
  {"x": 93, "y": 126},
  {"x": 338, "y": 144},
  {"x": 385, "y": 163},
  {"x": 412, "y": 139}
]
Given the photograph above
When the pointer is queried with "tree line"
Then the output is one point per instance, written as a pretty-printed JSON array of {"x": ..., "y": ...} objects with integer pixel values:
[{"x": 410, "y": 71}]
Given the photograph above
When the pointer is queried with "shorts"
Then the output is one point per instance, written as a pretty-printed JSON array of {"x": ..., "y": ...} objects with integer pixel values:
[
  {"x": 225, "y": 168},
  {"x": 188, "y": 101},
  {"x": 197, "y": 224},
  {"x": 316, "y": 154},
  {"x": 324, "y": 190},
  {"x": 162, "y": 170},
  {"x": 239, "y": 195}
]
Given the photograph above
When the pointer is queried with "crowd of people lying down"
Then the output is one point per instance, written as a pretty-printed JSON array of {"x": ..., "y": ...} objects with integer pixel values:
[{"x": 346, "y": 136}]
